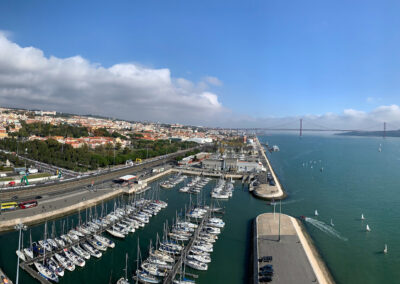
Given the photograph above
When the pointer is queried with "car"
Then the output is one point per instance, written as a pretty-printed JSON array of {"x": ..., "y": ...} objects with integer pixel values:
[
  {"x": 266, "y": 273},
  {"x": 14, "y": 197},
  {"x": 266, "y": 267},
  {"x": 265, "y": 279},
  {"x": 265, "y": 259},
  {"x": 38, "y": 197}
]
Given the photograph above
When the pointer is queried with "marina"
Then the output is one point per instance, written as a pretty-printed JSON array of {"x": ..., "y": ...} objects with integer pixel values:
[{"x": 309, "y": 189}]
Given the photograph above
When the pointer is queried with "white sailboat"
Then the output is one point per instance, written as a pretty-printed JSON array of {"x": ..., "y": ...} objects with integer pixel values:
[
  {"x": 333, "y": 225},
  {"x": 367, "y": 228},
  {"x": 380, "y": 148},
  {"x": 362, "y": 217},
  {"x": 316, "y": 213},
  {"x": 385, "y": 250}
]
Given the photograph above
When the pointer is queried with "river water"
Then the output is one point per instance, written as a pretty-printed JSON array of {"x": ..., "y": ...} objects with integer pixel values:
[{"x": 355, "y": 179}]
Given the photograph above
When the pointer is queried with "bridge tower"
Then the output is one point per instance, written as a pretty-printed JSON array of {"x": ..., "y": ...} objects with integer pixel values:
[
  {"x": 301, "y": 127},
  {"x": 384, "y": 130}
]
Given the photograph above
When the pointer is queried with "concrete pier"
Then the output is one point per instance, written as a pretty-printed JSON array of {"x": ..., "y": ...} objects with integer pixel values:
[
  {"x": 264, "y": 190},
  {"x": 208, "y": 174},
  {"x": 294, "y": 258}
]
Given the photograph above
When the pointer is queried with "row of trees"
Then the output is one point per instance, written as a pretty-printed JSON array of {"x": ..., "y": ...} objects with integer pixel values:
[
  {"x": 46, "y": 129},
  {"x": 85, "y": 158}
]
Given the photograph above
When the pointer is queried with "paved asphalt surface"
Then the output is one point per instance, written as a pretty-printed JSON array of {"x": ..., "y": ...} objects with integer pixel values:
[
  {"x": 61, "y": 187},
  {"x": 289, "y": 260}
]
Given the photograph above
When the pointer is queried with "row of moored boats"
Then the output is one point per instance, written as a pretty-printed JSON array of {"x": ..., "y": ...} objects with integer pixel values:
[{"x": 52, "y": 256}]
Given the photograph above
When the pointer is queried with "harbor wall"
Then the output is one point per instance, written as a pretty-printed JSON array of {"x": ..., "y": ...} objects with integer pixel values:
[{"x": 262, "y": 190}]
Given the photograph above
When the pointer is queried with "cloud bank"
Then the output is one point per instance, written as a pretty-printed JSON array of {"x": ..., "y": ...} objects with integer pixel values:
[
  {"x": 349, "y": 119},
  {"x": 129, "y": 91}
]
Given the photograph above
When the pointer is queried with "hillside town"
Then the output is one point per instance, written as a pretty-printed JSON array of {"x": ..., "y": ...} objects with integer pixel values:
[{"x": 11, "y": 121}]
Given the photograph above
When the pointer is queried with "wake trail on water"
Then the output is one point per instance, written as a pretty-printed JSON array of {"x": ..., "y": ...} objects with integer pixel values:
[
  {"x": 292, "y": 201},
  {"x": 325, "y": 228}
]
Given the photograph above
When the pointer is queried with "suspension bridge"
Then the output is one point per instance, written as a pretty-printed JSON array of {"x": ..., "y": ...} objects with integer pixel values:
[{"x": 380, "y": 129}]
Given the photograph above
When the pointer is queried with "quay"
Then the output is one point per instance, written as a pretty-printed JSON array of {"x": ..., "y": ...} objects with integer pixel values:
[
  {"x": 206, "y": 173},
  {"x": 294, "y": 257},
  {"x": 264, "y": 190}
]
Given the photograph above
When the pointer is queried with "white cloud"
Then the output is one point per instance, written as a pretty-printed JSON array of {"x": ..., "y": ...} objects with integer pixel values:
[
  {"x": 213, "y": 81},
  {"x": 30, "y": 79}
]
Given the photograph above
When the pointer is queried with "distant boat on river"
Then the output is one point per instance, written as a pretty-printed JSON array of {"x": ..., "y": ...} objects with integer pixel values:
[
  {"x": 367, "y": 228},
  {"x": 385, "y": 250},
  {"x": 333, "y": 225},
  {"x": 316, "y": 213},
  {"x": 362, "y": 217}
]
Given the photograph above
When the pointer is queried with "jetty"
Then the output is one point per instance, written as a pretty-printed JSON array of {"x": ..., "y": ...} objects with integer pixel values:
[
  {"x": 263, "y": 189},
  {"x": 178, "y": 264},
  {"x": 292, "y": 254}
]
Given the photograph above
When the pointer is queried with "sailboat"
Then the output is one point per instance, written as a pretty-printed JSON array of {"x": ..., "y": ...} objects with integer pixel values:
[
  {"x": 125, "y": 280},
  {"x": 367, "y": 228},
  {"x": 385, "y": 250},
  {"x": 362, "y": 217},
  {"x": 333, "y": 225},
  {"x": 142, "y": 275},
  {"x": 29, "y": 251},
  {"x": 20, "y": 253},
  {"x": 380, "y": 148},
  {"x": 316, "y": 213}
]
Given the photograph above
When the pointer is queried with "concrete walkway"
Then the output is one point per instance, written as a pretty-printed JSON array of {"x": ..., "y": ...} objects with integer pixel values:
[{"x": 295, "y": 260}]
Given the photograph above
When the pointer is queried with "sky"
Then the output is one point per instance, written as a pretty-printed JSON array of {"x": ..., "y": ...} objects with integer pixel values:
[{"x": 215, "y": 63}]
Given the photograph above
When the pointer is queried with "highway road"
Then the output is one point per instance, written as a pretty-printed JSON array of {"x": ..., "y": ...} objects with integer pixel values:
[{"x": 60, "y": 187}]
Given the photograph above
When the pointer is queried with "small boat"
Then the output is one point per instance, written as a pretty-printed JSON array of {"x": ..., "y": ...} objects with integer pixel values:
[
  {"x": 21, "y": 255},
  {"x": 333, "y": 225},
  {"x": 144, "y": 277},
  {"x": 105, "y": 241},
  {"x": 362, "y": 217},
  {"x": 196, "y": 264},
  {"x": 93, "y": 252},
  {"x": 54, "y": 266},
  {"x": 385, "y": 250},
  {"x": 64, "y": 262},
  {"x": 45, "y": 272},
  {"x": 79, "y": 251},
  {"x": 316, "y": 213},
  {"x": 367, "y": 228},
  {"x": 77, "y": 260},
  {"x": 116, "y": 234}
]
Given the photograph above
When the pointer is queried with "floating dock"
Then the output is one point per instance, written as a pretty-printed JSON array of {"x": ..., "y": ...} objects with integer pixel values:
[{"x": 178, "y": 264}]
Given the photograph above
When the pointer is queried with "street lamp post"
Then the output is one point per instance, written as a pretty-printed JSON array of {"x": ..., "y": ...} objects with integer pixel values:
[{"x": 19, "y": 227}]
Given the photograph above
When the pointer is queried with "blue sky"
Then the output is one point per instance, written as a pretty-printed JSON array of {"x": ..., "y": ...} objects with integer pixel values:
[{"x": 274, "y": 58}]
